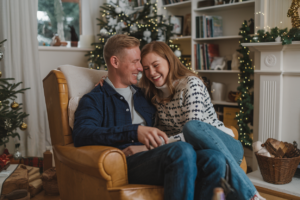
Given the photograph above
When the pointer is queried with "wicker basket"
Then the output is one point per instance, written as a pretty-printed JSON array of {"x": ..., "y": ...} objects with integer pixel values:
[{"x": 277, "y": 170}]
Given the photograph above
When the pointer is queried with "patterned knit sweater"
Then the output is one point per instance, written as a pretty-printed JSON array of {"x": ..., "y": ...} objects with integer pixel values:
[{"x": 190, "y": 102}]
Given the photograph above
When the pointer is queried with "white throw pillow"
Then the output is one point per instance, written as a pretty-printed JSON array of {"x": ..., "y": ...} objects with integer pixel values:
[
  {"x": 80, "y": 81},
  {"x": 73, "y": 104}
]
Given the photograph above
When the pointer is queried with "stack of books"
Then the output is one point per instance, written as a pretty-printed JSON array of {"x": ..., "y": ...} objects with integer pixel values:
[
  {"x": 208, "y": 26},
  {"x": 204, "y": 54}
]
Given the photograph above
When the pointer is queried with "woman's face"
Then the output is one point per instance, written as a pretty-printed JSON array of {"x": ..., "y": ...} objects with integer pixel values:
[{"x": 156, "y": 68}]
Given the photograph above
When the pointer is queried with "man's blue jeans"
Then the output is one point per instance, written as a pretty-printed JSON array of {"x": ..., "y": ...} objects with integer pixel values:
[
  {"x": 175, "y": 166},
  {"x": 205, "y": 136}
]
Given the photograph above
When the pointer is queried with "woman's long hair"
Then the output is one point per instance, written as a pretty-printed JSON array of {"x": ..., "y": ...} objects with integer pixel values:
[{"x": 177, "y": 70}]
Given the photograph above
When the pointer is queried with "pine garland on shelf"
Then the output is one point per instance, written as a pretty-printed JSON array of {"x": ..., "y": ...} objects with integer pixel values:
[
  {"x": 245, "y": 102},
  {"x": 286, "y": 37}
]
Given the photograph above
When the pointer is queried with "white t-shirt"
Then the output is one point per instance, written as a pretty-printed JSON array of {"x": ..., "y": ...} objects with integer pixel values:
[{"x": 127, "y": 94}]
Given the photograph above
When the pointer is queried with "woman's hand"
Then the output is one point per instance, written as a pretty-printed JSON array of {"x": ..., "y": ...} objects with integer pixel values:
[
  {"x": 101, "y": 81},
  {"x": 131, "y": 150}
]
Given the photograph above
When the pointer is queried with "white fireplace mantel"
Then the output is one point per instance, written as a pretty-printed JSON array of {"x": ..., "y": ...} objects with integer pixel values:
[{"x": 276, "y": 91}]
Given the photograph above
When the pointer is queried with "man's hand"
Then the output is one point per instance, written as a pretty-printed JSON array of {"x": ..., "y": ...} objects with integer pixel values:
[
  {"x": 150, "y": 136},
  {"x": 101, "y": 81},
  {"x": 129, "y": 151}
]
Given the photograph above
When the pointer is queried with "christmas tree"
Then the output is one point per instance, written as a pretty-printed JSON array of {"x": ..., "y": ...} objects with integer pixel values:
[
  {"x": 143, "y": 24},
  {"x": 11, "y": 114}
]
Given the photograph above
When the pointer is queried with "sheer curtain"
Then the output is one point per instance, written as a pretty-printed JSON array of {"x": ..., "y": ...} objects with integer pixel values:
[{"x": 18, "y": 24}]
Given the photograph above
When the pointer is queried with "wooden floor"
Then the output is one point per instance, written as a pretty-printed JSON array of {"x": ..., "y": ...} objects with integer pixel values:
[{"x": 42, "y": 196}]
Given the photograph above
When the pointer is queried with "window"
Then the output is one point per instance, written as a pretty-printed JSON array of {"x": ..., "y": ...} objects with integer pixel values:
[{"x": 56, "y": 17}]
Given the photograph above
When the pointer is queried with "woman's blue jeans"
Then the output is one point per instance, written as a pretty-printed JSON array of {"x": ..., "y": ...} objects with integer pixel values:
[{"x": 205, "y": 136}]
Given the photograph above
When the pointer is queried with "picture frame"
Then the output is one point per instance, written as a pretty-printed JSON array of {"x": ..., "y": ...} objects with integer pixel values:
[{"x": 177, "y": 21}]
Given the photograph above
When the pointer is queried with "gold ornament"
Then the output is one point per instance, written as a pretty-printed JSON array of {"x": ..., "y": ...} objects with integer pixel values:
[
  {"x": 0, "y": 74},
  {"x": 293, "y": 12},
  {"x": 23, "y": 126},
  {"x": 14, "y": 105}
]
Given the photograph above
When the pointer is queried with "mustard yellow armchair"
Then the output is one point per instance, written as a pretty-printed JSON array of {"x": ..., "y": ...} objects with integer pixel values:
[{"x": 90, "y": 172}]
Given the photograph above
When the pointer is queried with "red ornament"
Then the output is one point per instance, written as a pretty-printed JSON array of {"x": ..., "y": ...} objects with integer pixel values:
[{"x": 6, "y": 151}]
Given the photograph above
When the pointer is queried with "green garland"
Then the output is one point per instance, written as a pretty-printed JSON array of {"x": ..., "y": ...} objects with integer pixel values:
[
  {"x": 245, "y": 102},
  {"x": 286, "y": 36}
]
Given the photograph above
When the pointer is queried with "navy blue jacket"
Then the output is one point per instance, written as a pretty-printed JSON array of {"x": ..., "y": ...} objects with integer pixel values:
[{"x": 103, "y": 118}]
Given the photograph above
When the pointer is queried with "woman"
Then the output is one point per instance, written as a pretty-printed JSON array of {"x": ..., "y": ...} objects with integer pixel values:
[{"x": 185, "y": 111}]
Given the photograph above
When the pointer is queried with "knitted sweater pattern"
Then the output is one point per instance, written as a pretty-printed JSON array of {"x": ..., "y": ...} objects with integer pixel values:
[{"x": 191, "y": 101}]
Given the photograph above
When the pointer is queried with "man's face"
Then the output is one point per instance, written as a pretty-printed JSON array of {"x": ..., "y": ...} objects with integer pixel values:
[{"x": 129, "y": 66}]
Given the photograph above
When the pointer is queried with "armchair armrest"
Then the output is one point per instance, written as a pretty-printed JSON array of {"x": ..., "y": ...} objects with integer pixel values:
[{"x": 103, "y": 162}]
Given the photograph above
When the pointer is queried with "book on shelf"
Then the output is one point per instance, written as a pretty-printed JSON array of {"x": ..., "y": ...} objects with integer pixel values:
[
  {"x": 209, "y": 26},
  {"x": 204, "y": 55}
]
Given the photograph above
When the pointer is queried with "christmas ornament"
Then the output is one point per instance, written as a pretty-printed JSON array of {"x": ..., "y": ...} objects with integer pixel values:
[
  {"x": 14, "y": 105},
  {"x": 177, "y": 53},
  {"x": 293, "y": 12},
  {"x": 0, "y": 74},
  {"x": 1, "y": 56},
  {"x": 23, "y": 126},
  {"x": 7, "y": 124},
  {"x": 133, "y": 28},
  {"x": 6, "y": 152},
  {"x": 103, "y": 32},
  {"x": 147, "y": 36},
  {"x": 17, "y": 154},
  {"x": 119, "y": 27},
  {"x": 112, "y": 22},
  {"x": 118, "y": 10}
]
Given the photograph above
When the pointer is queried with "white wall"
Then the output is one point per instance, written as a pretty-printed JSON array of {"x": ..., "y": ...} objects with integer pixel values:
[{"x": 52, "y": 57}]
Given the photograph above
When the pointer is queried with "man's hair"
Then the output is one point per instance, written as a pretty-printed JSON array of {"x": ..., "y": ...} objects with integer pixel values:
[
  {"x": 176, "y": 70},
  {"x": 116, "y": 44}
]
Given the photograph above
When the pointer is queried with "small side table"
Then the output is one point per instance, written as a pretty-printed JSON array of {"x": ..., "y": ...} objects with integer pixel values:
[{"x": 273, "y": 191}]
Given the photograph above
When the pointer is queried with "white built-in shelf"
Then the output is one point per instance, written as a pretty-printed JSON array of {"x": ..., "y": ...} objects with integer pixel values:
[
  {"x": 225, "y": 103},
  {"x": 219, "y": 71},
  {"x": 218, "y": 38},
  {"x": 227, "y": 6},
  {"x": 178, "y": 5},
  {"x": 273, "y": 46},
  {"x": 181, "y": 38}
]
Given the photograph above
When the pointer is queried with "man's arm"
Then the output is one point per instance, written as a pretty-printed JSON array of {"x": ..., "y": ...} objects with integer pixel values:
[{"x": 87, "y": 126}]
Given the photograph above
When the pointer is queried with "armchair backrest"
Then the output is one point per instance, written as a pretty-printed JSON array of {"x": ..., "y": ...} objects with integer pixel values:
[{"x": 61, "y": 85}]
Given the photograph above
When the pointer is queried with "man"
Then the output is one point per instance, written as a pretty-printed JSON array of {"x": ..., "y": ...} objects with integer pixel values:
[{"x": 117, "y": 114}]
